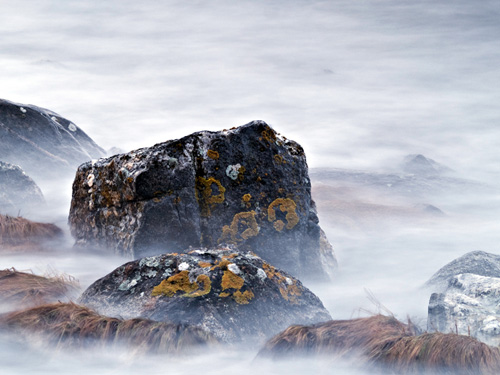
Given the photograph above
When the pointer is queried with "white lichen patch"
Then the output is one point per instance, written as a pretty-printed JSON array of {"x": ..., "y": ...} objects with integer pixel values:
[
  {"x": 167, "y": 273},
  {"x": 289, "y": 281},
  {"x": 232, "y": 171},
  {"x": 183, "y": 266},
  {"x": 150, "y": 273},
  {"x": 234, "y": 269},
  {"x": 261, "y": 274},
  {"x": 127, "y": 284},
  {"x": 149, "y": 262},
  {"x": 90, "y": 179},
  {"x": 22, "y": 109},
  {"x": 72, "y": 127}
]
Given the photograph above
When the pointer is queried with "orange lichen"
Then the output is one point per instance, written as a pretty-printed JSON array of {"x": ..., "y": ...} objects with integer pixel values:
[
  {"x": 246, "y": 198},
  {"x": 181, "y": 283},
  {"x": 214, "y": 155},
  {"x": 243, "y": 222},
  {"x": 231, "y": 281},
  {"x": 241, "y": 171},
  {"x": 288, "y": 287},
  {"x": 279, "y": 225},
  {"x": 285, "y": 205},
  {"x": 177, "y": 200},
  {"x": 204, "y": 194},
  {"x": 224, "y": 294},
  {"x": 269, "y": 135},
  {"x": 279, "y": 159},
  {"x": 243, "y": 298},
  {"x": 204, "y": 264}
]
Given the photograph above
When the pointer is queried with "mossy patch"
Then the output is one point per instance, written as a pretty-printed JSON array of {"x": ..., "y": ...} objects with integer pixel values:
[{"x": 181, "y": 283}]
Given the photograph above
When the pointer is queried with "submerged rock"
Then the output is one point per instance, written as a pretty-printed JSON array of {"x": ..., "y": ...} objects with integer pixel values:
[
  {"x": 42, "y": 142},
  {"x": 18, "y": 192},
  {"x": 246, "y": 186},
  {"x": 236, "y": 296}
]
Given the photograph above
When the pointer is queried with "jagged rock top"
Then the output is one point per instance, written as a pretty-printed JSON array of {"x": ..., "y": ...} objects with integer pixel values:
[
  {"x": 42, "y": 142},
  {"x": 247, "y": 186},
  {"x": 236, "y": 296}
]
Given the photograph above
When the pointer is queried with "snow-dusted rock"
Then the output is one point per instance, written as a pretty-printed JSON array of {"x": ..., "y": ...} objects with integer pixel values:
[
  {"x": 476, "y": 262},
  {"x": 470, "y": 305},
  {"x": 247, "y": 187},
  {"x": 19, "y": 194},
  {"x": 236, "y": 296},
  {"x": 42, "y": 142}
]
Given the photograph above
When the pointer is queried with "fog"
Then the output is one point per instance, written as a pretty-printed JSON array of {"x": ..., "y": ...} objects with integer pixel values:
[{"x": 358, "y": 84}]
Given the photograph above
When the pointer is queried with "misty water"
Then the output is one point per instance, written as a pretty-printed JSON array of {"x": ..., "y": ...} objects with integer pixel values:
[{"x": 359, "y": 84}]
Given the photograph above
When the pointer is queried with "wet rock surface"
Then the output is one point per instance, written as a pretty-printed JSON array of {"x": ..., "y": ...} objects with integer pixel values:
[
  {"x": 467, "y": 296},
  {"x": 235, "y": 296},
  {"x": 18, "y": 192},
  {"x": 476, "y": 262},
  {"x": 469, "y": 306},
  {"x": 247, "y": 186},
  {"x": 42, "y": 142}
]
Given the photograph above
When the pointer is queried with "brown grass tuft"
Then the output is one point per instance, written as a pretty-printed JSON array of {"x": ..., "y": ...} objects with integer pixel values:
[
  {"x": 73, "y": 326},
  {"x": 386, "y": 342},
  {"x": 17, "y": 232},
  {"x": 26, "y": 289}
]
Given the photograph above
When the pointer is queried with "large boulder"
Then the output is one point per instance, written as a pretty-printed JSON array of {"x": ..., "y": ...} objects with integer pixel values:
[
  {"x": 467, "y": 296},
  {"x": 247, "y": 186},
  {"x": 18, "y": 192},
  {"x": 236, "y": 296},
  {"x": 469, "y": 306},
  {"x": 42, "y": 142}
]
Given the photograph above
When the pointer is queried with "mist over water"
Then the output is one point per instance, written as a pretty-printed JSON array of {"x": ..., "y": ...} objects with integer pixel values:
[{"x": 358, "y": 84}]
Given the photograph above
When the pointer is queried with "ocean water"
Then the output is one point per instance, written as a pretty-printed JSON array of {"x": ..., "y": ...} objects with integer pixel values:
[{"x": 358, "y": 84}]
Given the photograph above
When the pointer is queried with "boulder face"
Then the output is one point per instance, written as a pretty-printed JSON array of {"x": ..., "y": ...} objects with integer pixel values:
[
  {"x": 469, "y": 306},
  {"x": 18, "y": 192},
  {"x": 247, "y": 186},
  {"x": 467, "y": 296},
  {"x": 236, "y": 296},
  {"x": 42, "y": 142}
]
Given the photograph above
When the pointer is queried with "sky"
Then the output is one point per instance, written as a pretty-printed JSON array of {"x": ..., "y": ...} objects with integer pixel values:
[{"x": 359, "y": 84}]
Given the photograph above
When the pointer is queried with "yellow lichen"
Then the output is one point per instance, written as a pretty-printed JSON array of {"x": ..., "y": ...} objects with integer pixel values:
[
  {"x": 213, "y": 154},
  {"x": 279, "y": 159},
  {"x": 231, "y": 281},
  {"x": 204, "y": 194},
  {"x": 224, "y": 294},
  {"x": 247, "y": 197},
  {"x": 279, "y": 225},
  {"x": 181, "y": 283},
  {"x": 204, "y": 264},
  {"x": 241, "y": 171},
  {"x": 243, "y": 298},
  {"x": 243, "y": 222},
  {"x": 288, "y": 287},
  {"x": 269, "y": 135},
  {"x": 285, "y": 205}
]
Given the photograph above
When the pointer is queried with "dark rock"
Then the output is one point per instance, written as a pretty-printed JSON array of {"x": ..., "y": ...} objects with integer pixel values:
[
  {"x": 236, "y": 296},
  {"x": 42, "y": 142},
  {"x": 246, "y": 186},
  {"x": 476, "y": 262},
  {"x": 18, "y": 192}
]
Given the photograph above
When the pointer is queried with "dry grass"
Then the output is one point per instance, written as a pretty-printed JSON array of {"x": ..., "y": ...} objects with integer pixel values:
[
  {"x": 72, "y": 326},
  {"x": 385, "y": 342},
  {"x": 26, "y": 289},
  {"x": 17, "y": 232}
]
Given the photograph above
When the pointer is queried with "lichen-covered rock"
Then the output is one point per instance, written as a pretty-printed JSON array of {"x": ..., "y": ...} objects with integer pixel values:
[
  {"x": 246, "y": 186},
  {"x": 236, "y": 296},
  {"x": 18, "y": 192},
  {"x": 42, "y": 142},
  {"x": 468, "y": 306}
]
